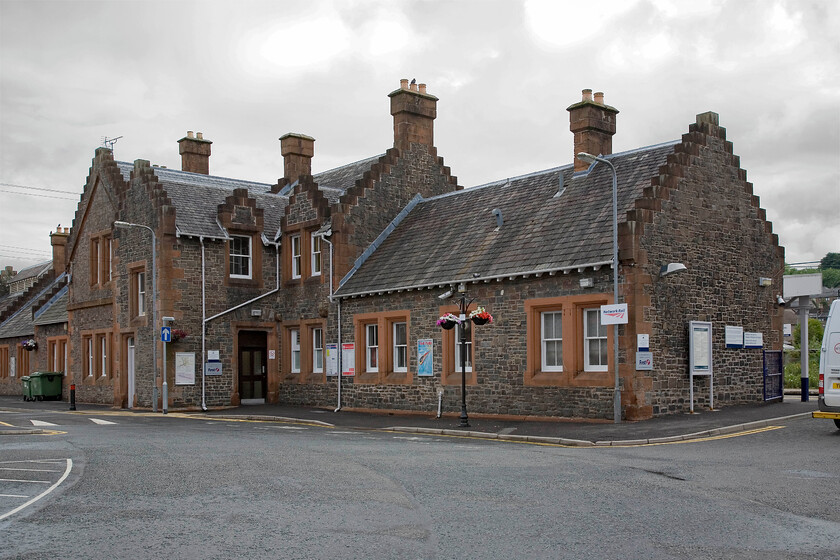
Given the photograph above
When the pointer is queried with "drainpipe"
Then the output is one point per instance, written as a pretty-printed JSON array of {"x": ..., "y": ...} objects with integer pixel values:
[
  {"x": 203, "y": 330},
  {"x": 332, "y": 299}
]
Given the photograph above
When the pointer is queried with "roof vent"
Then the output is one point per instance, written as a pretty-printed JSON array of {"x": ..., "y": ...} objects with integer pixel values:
[
  {"x": 499, "y": 220},
  {"x": 561, "y": 186}
]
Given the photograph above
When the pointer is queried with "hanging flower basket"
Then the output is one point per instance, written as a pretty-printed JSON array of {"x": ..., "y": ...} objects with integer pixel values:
[
  {"x": 178, "y": 334},
  {"x": 481, "y": 317},
  {"x": 29, "y": 345},
  {"x": 448, "y": 321}
]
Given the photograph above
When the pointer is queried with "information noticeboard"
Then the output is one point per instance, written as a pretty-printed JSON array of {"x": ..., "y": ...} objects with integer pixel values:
[
  {"x": 332, "y": 359},
  {"x": 700, "y": 357},
  {"x": 348, "y": 359},
  {"x": 184, "y": 368}
]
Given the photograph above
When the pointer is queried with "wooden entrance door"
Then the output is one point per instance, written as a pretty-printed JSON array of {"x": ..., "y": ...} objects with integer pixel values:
[{"x": 253, "y": 375}]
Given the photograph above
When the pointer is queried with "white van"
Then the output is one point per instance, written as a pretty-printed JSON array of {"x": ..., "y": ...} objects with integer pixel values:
[{"x": 829, "y": 400}]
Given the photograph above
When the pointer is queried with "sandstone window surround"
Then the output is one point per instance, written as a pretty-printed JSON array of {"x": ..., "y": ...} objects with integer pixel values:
[
  {"x": 4, "y": 361},
  {"x": 594, "y": 341},
  {"x": 302, "y": 255},
  {"x": 57, "y": 348},
  {"x": 239, "y": 257},
  {"x": 318, "y": 350},
  {"x": 87, "y": 358},
  {"x": 566, "y": 346},
  {"x": 551, "y": 340},
  {"x": 297, "y": 257},
  {"x": 451, "y": 354},
  {"x": 101, "y": 256},
  {"x": 93, "y": 261},
  {"x": 294, "y": 350},
  {"x": 137, "y": 293},
  {"x": 22, "y": 361},
  {"x": 315, "y": 255},
  {"x": 302, "y": 351},
  {"x": 96, "y": 355},
  {"x": 385, "y": 339}
]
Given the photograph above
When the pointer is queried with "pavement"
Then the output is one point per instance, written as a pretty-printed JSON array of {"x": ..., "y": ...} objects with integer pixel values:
[{"x": 703, "y": 423}]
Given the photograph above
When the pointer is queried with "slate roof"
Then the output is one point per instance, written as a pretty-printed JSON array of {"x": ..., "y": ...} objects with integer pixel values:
[
  {"x": 334, "y": 182},
  {"x": 454, "y": 237},
  {"x": 32, "y": 271},
  {"x": 21, "y": 322},
  {"x": 55, "y": 310},
  {"x": 196, "y": 196}
]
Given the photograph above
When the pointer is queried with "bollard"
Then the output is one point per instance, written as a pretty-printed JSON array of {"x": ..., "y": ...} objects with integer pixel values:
[{"x": 72, "y": 396}]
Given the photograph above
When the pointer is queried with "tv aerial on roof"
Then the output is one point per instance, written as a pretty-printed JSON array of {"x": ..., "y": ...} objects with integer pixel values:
[{"x": 109, "y": 142}]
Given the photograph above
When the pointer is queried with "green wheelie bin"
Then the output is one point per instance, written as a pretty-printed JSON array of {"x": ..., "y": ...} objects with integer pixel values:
[
  {"x": 27, "y": 388},
  {"x": 45, "y": 385}
]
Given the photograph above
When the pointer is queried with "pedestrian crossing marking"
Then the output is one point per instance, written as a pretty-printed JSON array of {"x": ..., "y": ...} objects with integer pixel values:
[
  {"x": 102, "y": 422},
  {"x": 42, "y": 423}
]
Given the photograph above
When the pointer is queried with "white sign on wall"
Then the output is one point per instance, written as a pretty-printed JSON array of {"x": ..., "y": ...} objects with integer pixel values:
[
  {"x": 615, "y": 314},
  {"x": 753, "y": 340},
  {"x": 332, "y": 359},
  {"x": 734, "y": 337},
  {"x": 184, "y": 368}
]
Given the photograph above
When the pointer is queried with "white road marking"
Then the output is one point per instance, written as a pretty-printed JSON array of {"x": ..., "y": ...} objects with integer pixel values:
[
  {"x": 42, "y": 494},
  {"x": 102, "y": 422},
  {"x": 30, "y": 481},
  {"x": 12, "y": 496},
  {"x": 25, "y": 470},
  {"x": 288, "y": 427},
  {"x": 42, "y": 423}
]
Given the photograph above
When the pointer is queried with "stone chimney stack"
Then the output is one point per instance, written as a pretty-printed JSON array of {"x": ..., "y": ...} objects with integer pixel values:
[
  {"x": 58, "y": 240},
  {"x": 593, "y": 125},
  {"x": 195, "y": 153},
  {"x": 414, "y": 113},
  {"x": 297, "y": 151}
]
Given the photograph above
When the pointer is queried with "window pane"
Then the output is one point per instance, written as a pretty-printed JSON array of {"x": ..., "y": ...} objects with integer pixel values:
[
  {"x": 399, "y": 334},
  {"x": 372, "y": 345},
  {"x": 240, "y": 256}
]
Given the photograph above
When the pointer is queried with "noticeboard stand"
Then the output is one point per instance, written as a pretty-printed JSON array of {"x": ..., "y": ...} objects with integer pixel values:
[{"x": 700, "y": 358}]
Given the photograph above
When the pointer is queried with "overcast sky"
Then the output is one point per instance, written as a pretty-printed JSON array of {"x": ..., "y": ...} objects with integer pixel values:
[{"x": 244, "y": 73}]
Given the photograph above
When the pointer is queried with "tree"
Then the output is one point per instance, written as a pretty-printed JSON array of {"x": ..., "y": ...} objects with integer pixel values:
[{"x": 830, "y": 260}]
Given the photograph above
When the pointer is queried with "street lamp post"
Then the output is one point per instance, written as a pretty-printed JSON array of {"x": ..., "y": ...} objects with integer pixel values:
[
  {"x": 462, "y": 308},
  {"x": 589, "y": 158},
  {"x": 126, "y": 225},
  {"x": 448, "y": 321}
]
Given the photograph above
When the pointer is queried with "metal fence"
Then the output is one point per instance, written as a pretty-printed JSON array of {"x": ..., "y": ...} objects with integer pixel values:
[{"x": 773, "y": 375}]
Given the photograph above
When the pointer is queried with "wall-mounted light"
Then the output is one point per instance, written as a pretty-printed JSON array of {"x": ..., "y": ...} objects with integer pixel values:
[
  {"x": 671, "y": 268},
  {"x": 587, "y": 282},
  {"x": 256, "y": 312},
  {"x": 765, "y": 282},
  {"x": 780, "y": 300}
]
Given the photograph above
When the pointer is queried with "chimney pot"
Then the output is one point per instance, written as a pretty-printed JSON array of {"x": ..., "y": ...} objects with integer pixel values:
[
  {"x": 404, "y": 83},
  {"x": 297, "y": 151},
  {"x": 195, "y": 153},
  {"x": 593, "y": 126},
  {"x": 414, "y": 111},
  {"x": 199, "y": 135}
]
